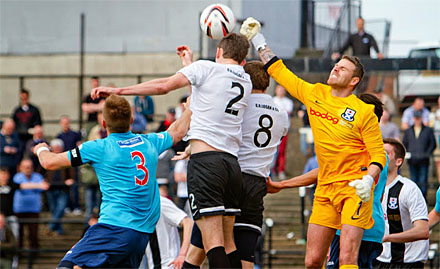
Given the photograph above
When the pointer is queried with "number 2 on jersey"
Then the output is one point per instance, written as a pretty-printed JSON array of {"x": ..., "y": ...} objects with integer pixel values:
[
  {"x": 234, "y": 100},
  {"x": 140, "y": 166}
]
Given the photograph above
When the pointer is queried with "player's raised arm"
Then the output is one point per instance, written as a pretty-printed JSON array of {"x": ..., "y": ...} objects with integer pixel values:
[
  {"x": 153, "y": 87},
  {"x": 50, "y": 160},
  {"x": 185, "y": 54}
]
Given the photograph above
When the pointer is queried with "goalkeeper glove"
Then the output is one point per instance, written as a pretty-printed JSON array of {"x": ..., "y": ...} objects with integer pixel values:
[
  {"x": 251, "y": 29},
  {"x": 363, "y": 187}
]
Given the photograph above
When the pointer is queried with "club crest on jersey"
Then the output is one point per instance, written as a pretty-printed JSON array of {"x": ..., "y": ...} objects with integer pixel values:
[
  {"x": 348, "y": 114},
  {"x": 393, "y": 203}
]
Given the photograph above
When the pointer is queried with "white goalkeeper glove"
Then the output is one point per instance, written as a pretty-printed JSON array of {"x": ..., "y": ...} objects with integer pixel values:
[
  {"x": 251, "y": 29},
  {"x": 363, "y": 187}
]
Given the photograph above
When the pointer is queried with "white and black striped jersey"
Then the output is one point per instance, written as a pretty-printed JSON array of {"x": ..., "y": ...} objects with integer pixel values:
[
  {"x": 264, "y": 124},
  {"x": 403, "y": 203},
  {"x": 220, "y": 93}
]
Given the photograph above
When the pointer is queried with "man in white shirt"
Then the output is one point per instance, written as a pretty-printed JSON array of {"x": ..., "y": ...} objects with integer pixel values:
[
  {"x": 285, "y": 103},
  {"x": 405, "y": 243},
  {"x": 220, "y": 93},
  {"x": 164, "y": 249}
]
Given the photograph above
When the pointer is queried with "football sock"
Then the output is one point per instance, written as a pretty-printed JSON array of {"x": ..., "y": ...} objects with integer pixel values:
[
  {"x": 234, "y": 259},
  {"x": 217, "y": 258}
]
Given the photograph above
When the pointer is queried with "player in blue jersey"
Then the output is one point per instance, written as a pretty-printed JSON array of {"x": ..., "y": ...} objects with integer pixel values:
[
  {"x": 434, "y": 215},
  {"x": 126, "y": 167}
]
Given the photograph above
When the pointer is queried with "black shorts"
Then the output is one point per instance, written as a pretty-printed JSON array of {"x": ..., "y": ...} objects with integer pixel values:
[
  {"x": 214, "y": 184},
  {"x": 251, "y": 217},
  {"x": 398, "y": 265}
]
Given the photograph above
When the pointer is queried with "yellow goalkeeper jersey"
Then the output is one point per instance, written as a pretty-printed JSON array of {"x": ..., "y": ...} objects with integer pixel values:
[{"x": 345, "y": 130}]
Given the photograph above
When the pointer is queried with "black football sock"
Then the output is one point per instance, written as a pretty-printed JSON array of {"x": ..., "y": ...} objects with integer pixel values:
[
  {"x": 234, "y": 259},
  {"x": 217, "y": 258}
]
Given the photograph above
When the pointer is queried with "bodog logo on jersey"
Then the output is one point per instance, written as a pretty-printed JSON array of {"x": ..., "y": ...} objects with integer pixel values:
[{"x": 326, "y": 116}]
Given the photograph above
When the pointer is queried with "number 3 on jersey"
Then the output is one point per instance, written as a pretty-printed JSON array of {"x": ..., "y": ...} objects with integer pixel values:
[{"x": 140, "y": 166}]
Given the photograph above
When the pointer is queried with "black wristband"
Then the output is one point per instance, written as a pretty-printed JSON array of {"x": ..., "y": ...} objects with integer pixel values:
[
  {"x": 378, "y": 164},
  {"x": 270, "y": 62},
  {"x": 75, "y": 157}
]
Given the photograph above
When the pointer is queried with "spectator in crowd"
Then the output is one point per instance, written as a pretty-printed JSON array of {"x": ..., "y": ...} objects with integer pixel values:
[
  {"x": 306, "y": 137},
  {"x": 312, "y": 163},
  {"x": 37, "y": 137},
  {"x": 71, "y": 139},
  {"x": 7, "y": 190},
  {"x": 26, "y": 116},
  {"x": 165, "y": 169},
  {"x": 92, "y": 194},
  {"x": 434, "y": 215},
  {"x": 8, "y": 244},
  {"x": 388, "y": 128},
  {"x": 9, "y": 146},
  {"x": 181, "y": 106},
  {"x": 419, "y": 141},
  {"x": 98, "y": 131},
  {"x": 437, "y": 138},
  {"x": 286, "y": 103},
  {"x": 145, "y": 106},
  {"x": 180, "y": 170},
  {"x": 405, "y": 243},
  {"x": 139, "y": 124},
  {"x": 170, "y": 117},
  {"x": 166, "y": 251},
  {"x": 58, "y": 193},
  {"x": 360, "y": 42},
  {"x": 408, "y": 114},
  {"x": 387, "y": 101},
  {"x": 27, "y": 203},
  {"x": 92, "y": 106}
]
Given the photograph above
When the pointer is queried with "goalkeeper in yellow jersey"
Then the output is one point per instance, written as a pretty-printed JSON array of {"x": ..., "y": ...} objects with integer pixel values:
[{"x": 349, "y": 149}]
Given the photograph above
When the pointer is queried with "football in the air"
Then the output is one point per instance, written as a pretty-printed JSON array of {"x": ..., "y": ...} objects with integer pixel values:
[{"x": 217, "y": 21}]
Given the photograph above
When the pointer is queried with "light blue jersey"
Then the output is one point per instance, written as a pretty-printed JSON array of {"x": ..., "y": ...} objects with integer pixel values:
[
  {"x": 375, "y": 234},
  {"x": 437, "y": 201},
  {"x": 126, "y": 164}
]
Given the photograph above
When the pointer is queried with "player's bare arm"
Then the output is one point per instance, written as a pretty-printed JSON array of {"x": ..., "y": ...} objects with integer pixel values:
[
  {"x": 306, "y": 179},
  {"x": 187, "y": 225},
  {"x": 434, "y": 218},
  {"x": 419, "y": 231},
  {"x": 50, "y": 160},
  {"x": 153, "y": 87}
]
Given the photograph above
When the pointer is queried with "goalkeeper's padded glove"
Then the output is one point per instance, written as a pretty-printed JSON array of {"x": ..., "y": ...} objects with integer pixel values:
[
  {"x": 363, "y": 187},
  {"x": 250, "y": 28}
]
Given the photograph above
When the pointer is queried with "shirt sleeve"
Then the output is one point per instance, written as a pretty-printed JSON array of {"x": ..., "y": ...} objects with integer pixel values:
[
  {"x": 372, "y": 138},
  {"x": 416, "y": 204},
  {"x": 297, "y": 87},
  {"x": 162, "y": 141},
  {"x": 87, "y": 152},
  {"x": 406, "y": 117},
  {"x": 195, "y": 72},
  {"x": 171, "y": 213}
]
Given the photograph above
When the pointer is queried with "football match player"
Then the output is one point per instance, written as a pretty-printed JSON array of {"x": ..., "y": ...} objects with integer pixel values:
[
  {"x": 348, "y": 145},
  {"x": 125, "y": 164},
  {"x": 220, "y": 93},
  {"x": 264, "y": 125},
  {"x": 371, "y": 245}
]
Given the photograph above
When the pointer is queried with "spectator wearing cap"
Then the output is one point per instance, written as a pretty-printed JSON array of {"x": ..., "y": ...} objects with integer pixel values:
[
  {"x": 408, "y": 114},
  {"x": 419, "y": 142},
  {"x": 170, "y": 117}
]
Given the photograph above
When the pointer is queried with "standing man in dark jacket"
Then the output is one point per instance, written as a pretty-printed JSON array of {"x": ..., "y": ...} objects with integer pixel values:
[
  {"x": 26, "y": 116},
  {"x": 360, "y": 42},
  {"x": 419, "y": 142}
]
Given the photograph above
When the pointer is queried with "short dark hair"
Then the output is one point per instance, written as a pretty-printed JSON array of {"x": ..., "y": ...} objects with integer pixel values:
[
  {"x": 235, "y": 46},
  {"x": 399, "y": 148},
  {"x": 359, "y": 68},
  {"x": 4, "y": 169},
  {"x": 259, "y": 77},
  {"x": 117, "y": 114},
  {"x": 25, "y": 91},
  {"x": 95, "y": 77},
  {"x": 373, "y": 100}
]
